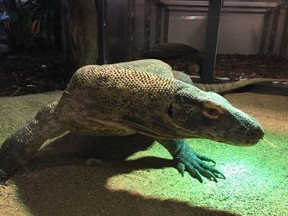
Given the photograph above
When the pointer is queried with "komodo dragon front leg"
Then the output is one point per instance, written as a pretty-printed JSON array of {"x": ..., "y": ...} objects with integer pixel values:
[
  {"x": 19, "y": 148},
  {"x": 188, "y": 160}
]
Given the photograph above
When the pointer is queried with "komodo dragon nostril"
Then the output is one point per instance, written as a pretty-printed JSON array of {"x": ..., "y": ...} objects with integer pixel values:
[{"x": 260, "y": 132}]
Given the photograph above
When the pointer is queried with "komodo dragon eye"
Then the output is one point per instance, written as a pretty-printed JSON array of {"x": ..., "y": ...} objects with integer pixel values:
[{"x": 211, "y": 111}]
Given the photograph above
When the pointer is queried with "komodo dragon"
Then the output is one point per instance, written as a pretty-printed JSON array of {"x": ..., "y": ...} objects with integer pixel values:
[{"x": 135, "y": 97}]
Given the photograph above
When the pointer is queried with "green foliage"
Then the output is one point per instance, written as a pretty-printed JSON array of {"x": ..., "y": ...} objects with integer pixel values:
[
  {"x": 29, "y": 23},
  {"x": 18, "y": 27},
  {"x": 43, "y": 13}
]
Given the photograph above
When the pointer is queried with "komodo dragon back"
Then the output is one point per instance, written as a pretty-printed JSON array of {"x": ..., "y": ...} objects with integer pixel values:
[{"x": 135, "y": 97}]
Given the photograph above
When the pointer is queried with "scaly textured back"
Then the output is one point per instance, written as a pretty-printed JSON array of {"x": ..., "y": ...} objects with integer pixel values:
[{"x": 115, "y": 89}]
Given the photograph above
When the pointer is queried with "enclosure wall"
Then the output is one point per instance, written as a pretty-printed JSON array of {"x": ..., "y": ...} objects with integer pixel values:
[{"x": 239, "y": 33}]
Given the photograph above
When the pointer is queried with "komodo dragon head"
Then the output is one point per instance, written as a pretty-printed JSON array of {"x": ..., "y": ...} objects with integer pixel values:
[{"x": 209, "y": 115}]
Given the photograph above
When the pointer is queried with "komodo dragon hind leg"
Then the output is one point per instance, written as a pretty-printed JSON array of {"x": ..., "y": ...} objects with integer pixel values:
[
  {"x": 188, "y": 160},
  {"x": 20, "y": 147}
]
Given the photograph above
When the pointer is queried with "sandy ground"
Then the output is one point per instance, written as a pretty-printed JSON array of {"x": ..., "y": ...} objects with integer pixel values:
[{"x": 134, "y": 176}]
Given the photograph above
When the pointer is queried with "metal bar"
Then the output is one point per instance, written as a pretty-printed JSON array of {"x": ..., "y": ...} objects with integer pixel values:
[
  {"x": 225, "y": 4},
  {"x": 276, "y": 13},
  {"x": 245, "y": 10},
  {"x": 131, "y": 35},
  {"x": 147, "y": 24},
  {"x": 264, "y": 32},
  {"x": 211, "y": 40},
  {"x": 166, "y": 25},
  {"x": 102, "y": 31},
  {"x": 158, "y": 24},
  {"x": 284, "y": 39},
  {"x": 57, "y": 25},
  {"x": 224, "y": 10},
  {"x": 68, "y": 70}
]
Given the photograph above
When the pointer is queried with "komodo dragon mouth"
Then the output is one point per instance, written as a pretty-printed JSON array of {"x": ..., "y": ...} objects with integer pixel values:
[{"x": 171, "y": 130}]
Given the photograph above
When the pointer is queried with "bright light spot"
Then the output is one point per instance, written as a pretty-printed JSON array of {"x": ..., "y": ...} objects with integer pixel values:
[
  {"x": 233, "y": 169},
  {"x": 192, "y": 17}
]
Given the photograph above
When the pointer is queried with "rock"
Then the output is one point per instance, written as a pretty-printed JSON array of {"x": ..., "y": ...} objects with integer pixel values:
[{"x": 179, "y": 56}]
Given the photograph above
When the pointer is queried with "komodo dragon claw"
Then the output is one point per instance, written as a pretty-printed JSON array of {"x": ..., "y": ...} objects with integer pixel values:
[
  {"x": 193, "y": 163},
  {"x": 3, "y": 177}
]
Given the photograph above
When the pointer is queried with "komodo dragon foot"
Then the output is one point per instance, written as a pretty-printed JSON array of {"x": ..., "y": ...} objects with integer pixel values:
[{"x": 190, "y": 161}]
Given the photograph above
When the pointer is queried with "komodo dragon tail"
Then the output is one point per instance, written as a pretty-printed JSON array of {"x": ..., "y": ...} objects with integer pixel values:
[
  {"x": 227, "y": 87},
  {"x": 222, "y": 87}
]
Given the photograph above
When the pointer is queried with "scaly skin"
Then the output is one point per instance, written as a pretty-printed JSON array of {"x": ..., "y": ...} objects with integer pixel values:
[{"x": 135, "y": 97}]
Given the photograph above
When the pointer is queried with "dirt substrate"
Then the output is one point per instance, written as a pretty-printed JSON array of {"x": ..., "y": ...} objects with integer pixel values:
[
  {"x": 30, "y": 72},
  {"x": 87, "y": 176}
]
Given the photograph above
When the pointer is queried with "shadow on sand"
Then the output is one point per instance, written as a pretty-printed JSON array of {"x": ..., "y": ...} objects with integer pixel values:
[{"x": 58, "y": 182}]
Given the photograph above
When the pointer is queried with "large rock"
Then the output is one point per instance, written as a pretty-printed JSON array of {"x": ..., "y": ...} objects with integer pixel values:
[{"x": 179, "y": 56}]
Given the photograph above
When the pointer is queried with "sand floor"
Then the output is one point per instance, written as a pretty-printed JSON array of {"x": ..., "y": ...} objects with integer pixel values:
[{"x": 134, "y": 176}]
